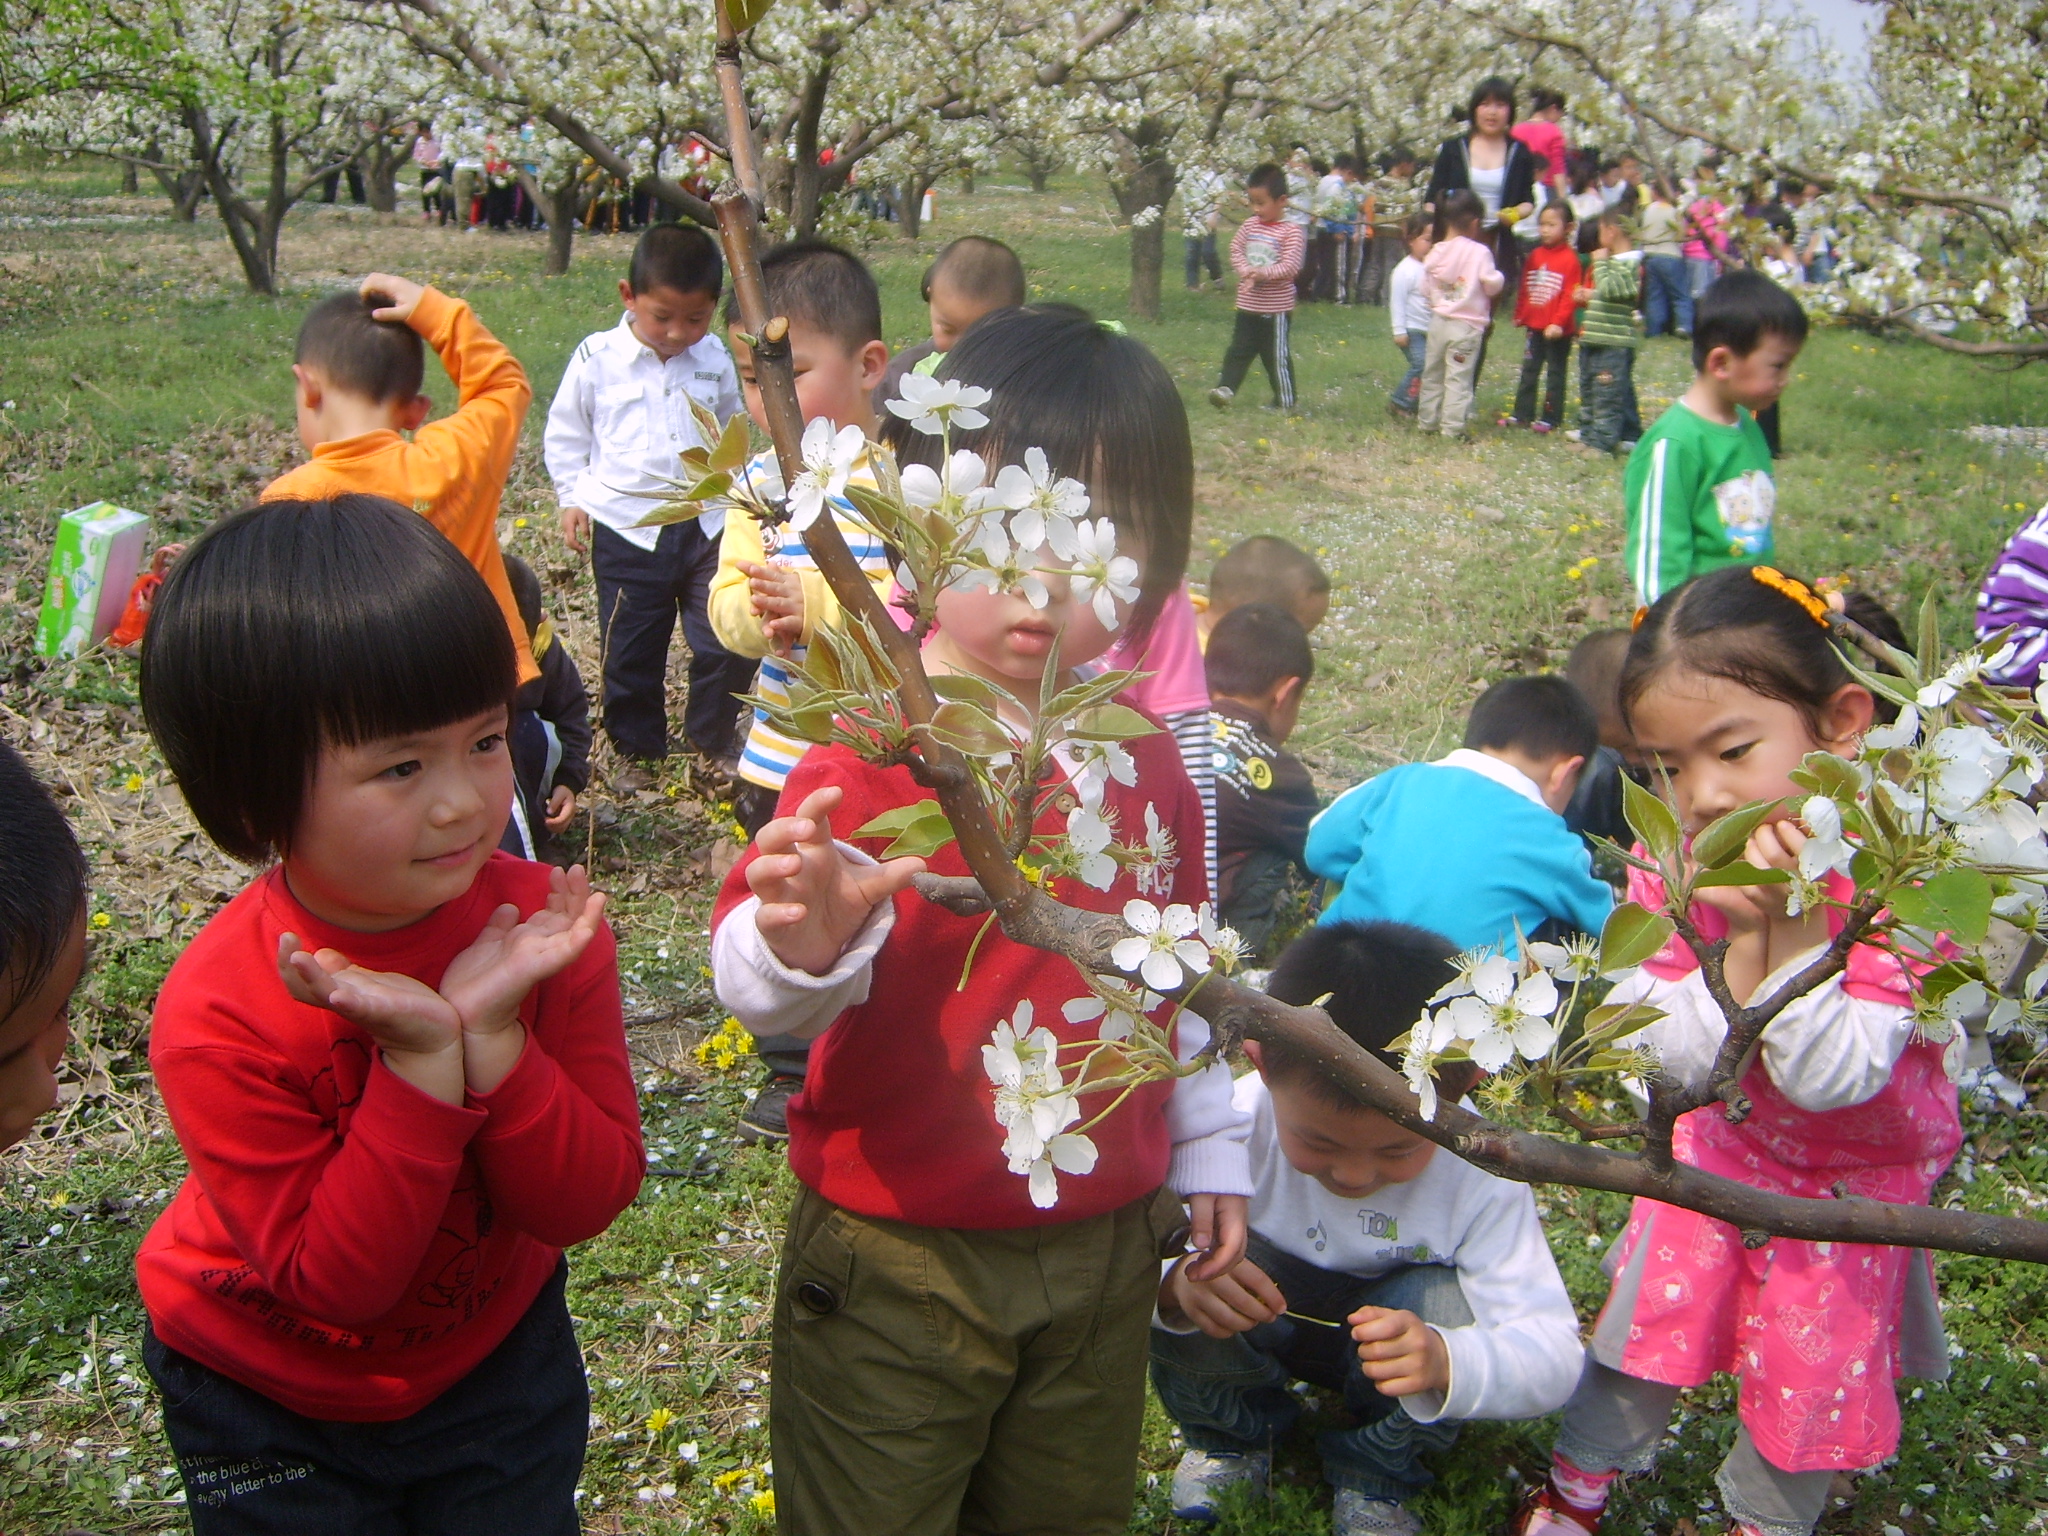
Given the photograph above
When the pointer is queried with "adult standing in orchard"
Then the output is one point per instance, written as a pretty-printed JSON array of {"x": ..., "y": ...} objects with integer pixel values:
[{"x": 1497, "y": 168}]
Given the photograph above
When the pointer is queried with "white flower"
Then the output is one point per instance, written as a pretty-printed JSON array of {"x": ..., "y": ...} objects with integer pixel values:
[
  {"x": 1226, "y": 945},
  {"x": 2008, "y": 834},
  {"x": 1102, "y": 761},
  {"x": 1577, "y": 960},
  {"x": 1117, "y": 1021},
  {"x": 1504, "y": 1016},
  {"x": 1161, "y": 943},
  {"x": 1971, "y": 760},
  {"x": 1467, "y": 966},
  {"x": 1044, "y": 1145},
  {"x": 1158, "y": 836},
  {"x": 1963, "y": 671},
  {"x": 1825, "y": 848},
  {"x": 1089, "y": 833},
  {"x": 828, "y": 458},
  {"x": 960, "y": 477},
  {"x": 1020, "y": 1058},
  {"x": 1100, "y": 570},
  {"x": 1902, "y": 732},
  {"x": 933, "y": 405},
  {"x": 1043, "y": 508},
  {"x": 1416, "y": 1067}
]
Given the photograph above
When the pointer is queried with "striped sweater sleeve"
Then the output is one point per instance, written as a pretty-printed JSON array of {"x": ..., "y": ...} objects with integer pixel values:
[{"x": 1191, "y": 733}]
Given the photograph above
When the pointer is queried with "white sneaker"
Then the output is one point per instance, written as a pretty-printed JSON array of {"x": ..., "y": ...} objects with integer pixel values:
[
  {"x": 1202, "y": 1476},
  {"x": 1221, "y": 398},
  {"x": 1357, "y": 1515}
]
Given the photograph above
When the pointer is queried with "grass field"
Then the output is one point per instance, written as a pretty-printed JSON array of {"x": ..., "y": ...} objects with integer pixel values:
[{"x": 135, "y": 369}]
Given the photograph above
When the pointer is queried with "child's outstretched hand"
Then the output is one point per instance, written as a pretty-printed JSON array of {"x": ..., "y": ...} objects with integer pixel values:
[
  {"x": 403, "y": 293},
  {"x": 420, "y": 1032},
  {"x": 778, "y": 597},
  {"x": 1233, "y": 1302},
  {"x": 1217, "y": 1228},
  {"x": 1399, "y": 1352},
  {"x": 487, "y": 982},
  {"x": 813, "y": 901}
]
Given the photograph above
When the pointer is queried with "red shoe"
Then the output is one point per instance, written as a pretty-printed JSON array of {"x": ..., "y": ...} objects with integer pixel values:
[{"x": 1543, "y": 1513}]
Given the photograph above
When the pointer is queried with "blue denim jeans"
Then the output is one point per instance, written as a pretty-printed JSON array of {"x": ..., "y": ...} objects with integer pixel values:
[
  {"x": 1667, "y": 296},
  {"x": 1201, "y": 254},
  {"x": 1231, "y": 1395},
  {"x": 1407, "y": 393},
  {"x": 1700, "y": 273},
  {"x": 1611, "y": 416}
]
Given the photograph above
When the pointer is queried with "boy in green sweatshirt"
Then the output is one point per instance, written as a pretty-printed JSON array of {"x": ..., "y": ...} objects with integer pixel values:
[
  {"x": 1699, "y": 491},
  {"x": 1608, "y": 336}
]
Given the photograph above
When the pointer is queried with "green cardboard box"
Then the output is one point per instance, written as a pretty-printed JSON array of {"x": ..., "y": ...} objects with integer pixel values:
[{"x": 98, "y": 551}]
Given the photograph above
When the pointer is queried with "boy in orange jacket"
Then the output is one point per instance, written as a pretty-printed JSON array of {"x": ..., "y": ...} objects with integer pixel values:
[
  {"x": 359, "y": 366},
  {"x": 1545, "y": 306}
]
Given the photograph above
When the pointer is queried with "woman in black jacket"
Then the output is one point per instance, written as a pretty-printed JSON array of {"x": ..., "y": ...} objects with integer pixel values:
[{"x": 1487, "y": 161}]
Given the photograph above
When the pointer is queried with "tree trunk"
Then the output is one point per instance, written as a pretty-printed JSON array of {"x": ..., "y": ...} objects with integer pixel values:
[
  {"x": 1141, "y": 197},
  {"x": 806, "y": 196},
  {"x": 560, "y": 208},
  {"x": 130, "y": 185},
  {"x": 910, "y": 212},
  {"x": 381, "y": 164},
  {"x": 967, "y": 182},
  {"x": 1041, "y": 175},
  {"x": 259, "y": 266}
]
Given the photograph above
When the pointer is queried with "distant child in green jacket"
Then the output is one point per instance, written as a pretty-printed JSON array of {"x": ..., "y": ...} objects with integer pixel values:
[
  {"x": 1608, "y": 337},
  {"x": 1699, "y": 490}
]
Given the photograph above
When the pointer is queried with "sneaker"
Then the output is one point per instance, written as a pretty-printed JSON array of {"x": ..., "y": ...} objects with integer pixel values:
[
  {"x": 1626, "y": 445},
  {"x": 1511, "y": 421},
  {"x": 1202, "y": 1476},
  {"x": 1543, "y": 428},
  {"x": 766, "y": 1117},
  {"x": 1543, "y": 1513},
  {"x": 1357, "y": 1515},
  {"x": 1221, "y": 397}
]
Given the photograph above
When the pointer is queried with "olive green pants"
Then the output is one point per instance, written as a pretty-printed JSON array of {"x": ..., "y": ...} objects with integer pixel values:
[{"x": 930, "y": 1381}]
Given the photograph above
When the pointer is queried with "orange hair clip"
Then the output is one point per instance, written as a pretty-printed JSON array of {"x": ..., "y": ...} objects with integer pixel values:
[
  {"x": 1636, "y": 623},
  {"x": 1816, "y": 606}
]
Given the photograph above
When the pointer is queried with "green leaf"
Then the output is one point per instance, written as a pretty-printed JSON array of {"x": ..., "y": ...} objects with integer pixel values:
[
  {"x": 1826, "y": 774},
  {"x": 1069, "y": 702},
  {"x": 745, "y": 13},
  {"x": 707, "y": 423},
  {"x": 1631, "y": 935},
  {"x": 1930, "y": 628},
  {"x": 971, "y": 729},
  {"x": 1945, "y": 978},
  {"x": 1607, "y": 1061},
  {"x": 919, "y": 829},
  {"x": 1741, "y": 872},
  {"x": 882, "y": 515},
  {"x": 1956, "y": 902},
  {"x": 1651, "y": 820},
  {"x": 1726, "y": 836},
  {"x": 734, "y": 444},
  {"x": 671, "y": 512},
  {"x": 1113, "y": 722},
  {"x": 967, "y": 689}
]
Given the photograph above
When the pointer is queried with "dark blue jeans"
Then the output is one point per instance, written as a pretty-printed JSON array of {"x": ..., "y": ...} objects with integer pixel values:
[
  {"x": 497, "y": 1454},
  {"x": 1231, "y": 1395},
  {"x": 1611, "y": 415},
  {"x": 1407, "y": 393},
  {"x": 1667, "y": 296},
  {"x": 1202, "y": 254},
  {"x": 640, "y": 593}
]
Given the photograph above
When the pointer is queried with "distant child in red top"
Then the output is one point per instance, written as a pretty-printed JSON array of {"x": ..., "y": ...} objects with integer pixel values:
[
  {"x": 1546, "y": 307},
  {"x": 395, "y": 1062},
  {"x": 949, "y": 1353},
  {"x": 42, "y": 944}
]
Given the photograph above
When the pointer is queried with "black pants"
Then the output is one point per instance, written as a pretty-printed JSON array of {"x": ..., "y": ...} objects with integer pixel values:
[
  {"x": 1263, "y": 337},
  {"x": 1541, "y": 353},
  {"x": 1201, "y": 254},
  {"x": 639, "y": 593},
  {"x": 497, "y": 1454}
]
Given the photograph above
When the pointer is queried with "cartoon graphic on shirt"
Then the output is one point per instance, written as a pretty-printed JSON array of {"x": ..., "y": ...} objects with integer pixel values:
[
  {"x": 1261, "y": 251},
  {"x": 1747, "y": 504}
]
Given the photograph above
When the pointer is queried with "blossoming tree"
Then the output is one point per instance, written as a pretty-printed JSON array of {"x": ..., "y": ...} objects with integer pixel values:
[{"x": 1932, "y": 817}]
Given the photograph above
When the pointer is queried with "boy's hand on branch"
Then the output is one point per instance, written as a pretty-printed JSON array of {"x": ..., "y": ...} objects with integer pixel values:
[
  {"x": 813, "y": 899},
  {"x": 403, "y": 292},
  {"x": 1230, "y": 1304},
  {"x": 1218, "y": 1228},
  {"x": 419, "y": 1031},
  {"x": 1399, "y": 1352}
]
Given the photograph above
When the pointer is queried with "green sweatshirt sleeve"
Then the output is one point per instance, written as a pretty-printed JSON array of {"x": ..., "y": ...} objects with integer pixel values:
[{"x": 1661, "y": 486}]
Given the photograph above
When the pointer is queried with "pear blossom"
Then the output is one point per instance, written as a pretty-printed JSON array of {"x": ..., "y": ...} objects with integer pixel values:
[
  {"x": 828, "y": 458},
  {"x": 1902, "y": 732},
  {"x": 1578, "y": 959},
  {"x": 1826, "y": 849},
  {"x": 1226, "y": 945},
  {"x": 1089, "y": 834},
  {"x": 1043, "y": 508},
  {"x": 1160, "y": 944},
  {"x": 1416, "y": 1066},
  {"x": 1103, "y": 761},
  {"x": 1099, "y": 570},
  {"x": 1970, "y": 760},
  {"x": 961, "y": 476},
  {"x": 1119, "y": 1019},
  {"x": 937, "y": 405},
  {"x": 1501, "y": 1016},
  {"x": 1017, "y": 1056},
  {"x": 1040, "y": 1147},
  {"x": 1963, "y": 671},
  {"x": 1158, "y": 836}
]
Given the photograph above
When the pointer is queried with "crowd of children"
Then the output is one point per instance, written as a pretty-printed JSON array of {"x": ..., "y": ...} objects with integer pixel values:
[{"x": 396, "y": 1061}]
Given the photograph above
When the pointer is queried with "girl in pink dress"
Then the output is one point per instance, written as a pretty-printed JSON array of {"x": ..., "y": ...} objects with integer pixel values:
[{"x": 1730, "y": 681}]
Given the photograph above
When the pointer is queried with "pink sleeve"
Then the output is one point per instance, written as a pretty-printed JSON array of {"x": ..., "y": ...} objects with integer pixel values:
[{"x": 1172, "y": 653}]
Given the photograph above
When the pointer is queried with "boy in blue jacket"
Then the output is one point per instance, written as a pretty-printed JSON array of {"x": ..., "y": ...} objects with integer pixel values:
[{"x": 1474, "y": 844}]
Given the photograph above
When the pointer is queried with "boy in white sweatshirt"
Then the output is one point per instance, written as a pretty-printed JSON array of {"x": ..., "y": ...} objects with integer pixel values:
[{"x": 1436, "y": 1294}]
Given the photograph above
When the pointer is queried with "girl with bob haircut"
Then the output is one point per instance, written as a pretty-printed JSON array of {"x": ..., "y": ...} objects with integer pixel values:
[
  {"x": 42, "y": 944},
  {"x": 951, "y": 1354},
  {"x": 1730, "y": 682},
  {"x": 395, "y": 1062}
]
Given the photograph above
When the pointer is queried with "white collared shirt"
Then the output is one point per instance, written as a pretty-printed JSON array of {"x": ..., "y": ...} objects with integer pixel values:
[
  {"x": 1503, "y": 773},
  {"x": 621, "y": 420}
]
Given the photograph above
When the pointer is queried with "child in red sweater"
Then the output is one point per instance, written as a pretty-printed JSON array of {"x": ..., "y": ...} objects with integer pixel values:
[
  {"x": 949, "y": 1354},
  {"x": 395, "y": 1062},
  {"x": 1545, "y": 306}
]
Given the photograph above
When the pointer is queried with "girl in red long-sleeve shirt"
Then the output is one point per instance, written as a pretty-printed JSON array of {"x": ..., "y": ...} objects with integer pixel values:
[
  {"x": 395, "y": 1061},
  {"x": 1545, "y": 306}
]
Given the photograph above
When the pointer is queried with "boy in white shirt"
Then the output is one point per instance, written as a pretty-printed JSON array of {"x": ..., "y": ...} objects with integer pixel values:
[
  {"x": 1409, "y": 313},
  {"x": 1378, "y": 1265},
  {"x": 615, "y": 435}
]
